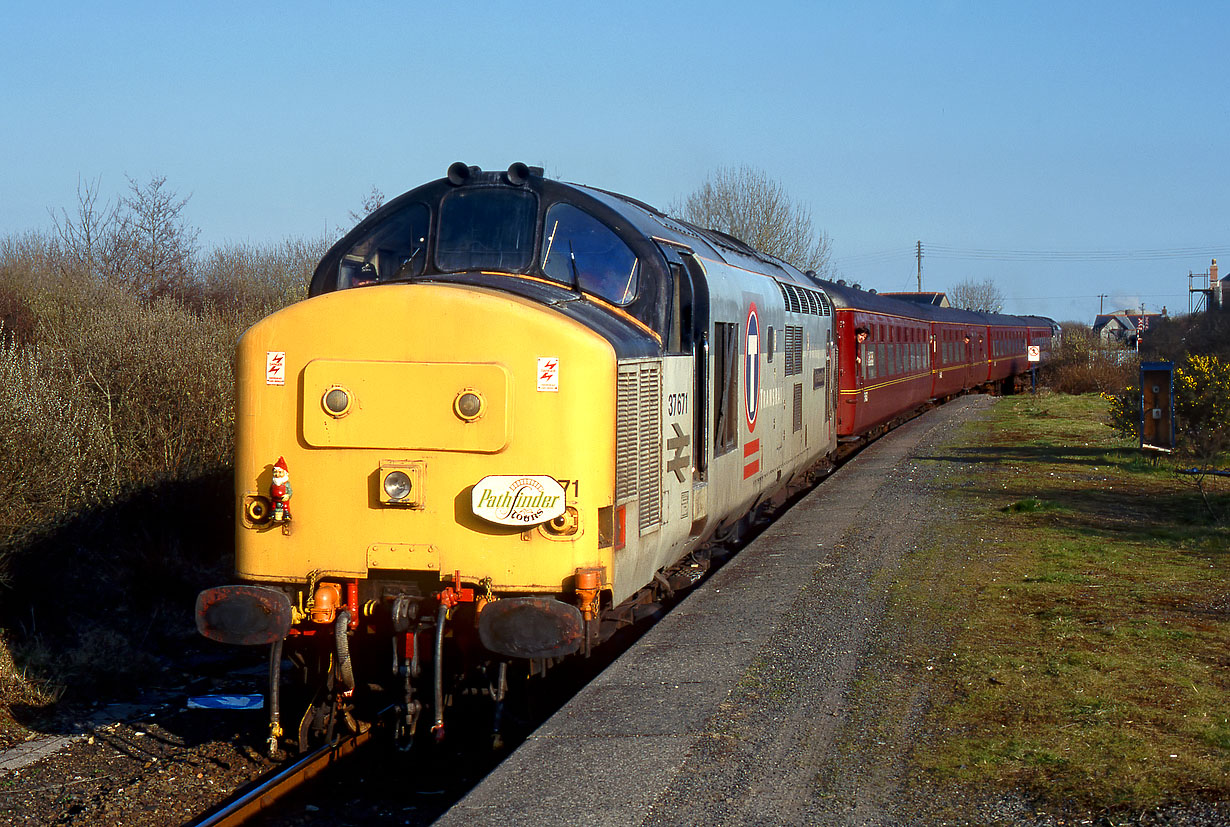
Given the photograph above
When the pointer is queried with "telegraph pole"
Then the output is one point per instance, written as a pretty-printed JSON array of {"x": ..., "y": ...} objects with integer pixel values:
[
  {"x": 1101, "y": 296},
  {"x": 919, "y": 254}
]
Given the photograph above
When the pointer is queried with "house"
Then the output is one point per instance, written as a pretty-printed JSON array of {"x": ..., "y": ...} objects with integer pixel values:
[{"x": 1123, "y": 327}]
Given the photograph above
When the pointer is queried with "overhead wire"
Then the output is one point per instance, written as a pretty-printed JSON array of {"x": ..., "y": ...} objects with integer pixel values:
[
  {"x": 945, "y": 251},
  {"x": 977, "y": 253}
]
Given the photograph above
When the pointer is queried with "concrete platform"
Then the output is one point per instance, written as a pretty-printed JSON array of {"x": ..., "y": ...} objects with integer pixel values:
[{"x": 722, "y": 712}]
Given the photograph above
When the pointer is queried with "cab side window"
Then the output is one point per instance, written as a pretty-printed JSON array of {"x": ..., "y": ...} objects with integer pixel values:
[
  {"x": 396, "y": 248},
  {"x": 579, "y": 250}
]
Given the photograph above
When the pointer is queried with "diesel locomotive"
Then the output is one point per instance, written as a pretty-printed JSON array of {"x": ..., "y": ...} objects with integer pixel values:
[{"x": 513, "y": 410}]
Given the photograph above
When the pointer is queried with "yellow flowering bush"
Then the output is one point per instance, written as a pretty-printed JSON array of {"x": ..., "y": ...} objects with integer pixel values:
[{"x": 1201, "y": 402}]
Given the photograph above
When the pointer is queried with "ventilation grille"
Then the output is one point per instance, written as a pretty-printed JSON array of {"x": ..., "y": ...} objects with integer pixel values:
[
  {"x": 625, "y": 435},
  {"x": 638, "y": 441},
  {"x": 794, "y": 350},
  {"x": 798, "y": 407},
  {"x": 802, "y": 300},
  {"x": 790, "y": 297},
  {"x": 649, "y": 482}
]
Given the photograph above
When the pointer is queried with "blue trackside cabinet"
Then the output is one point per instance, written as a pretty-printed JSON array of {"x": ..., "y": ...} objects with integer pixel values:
[{"x": 1157, "y": 406}]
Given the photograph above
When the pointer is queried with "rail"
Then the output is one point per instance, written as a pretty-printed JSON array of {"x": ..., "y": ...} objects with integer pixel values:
[{"x": 264, "y": 792}]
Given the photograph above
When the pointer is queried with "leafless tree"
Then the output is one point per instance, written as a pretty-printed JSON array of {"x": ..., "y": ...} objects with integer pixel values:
[
  {"x": 159, "y": 246},
  {"x": 979, "y": 296},
  {"x": 746, "y": 203},
  {"x": 89, "y": 241},
  {"x": 373, "y": 201}
]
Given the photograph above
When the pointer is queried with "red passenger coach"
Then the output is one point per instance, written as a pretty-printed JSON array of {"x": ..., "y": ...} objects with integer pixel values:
[
  {"x": 883, "y": 367},
  {"x": 894, "y": 356}
]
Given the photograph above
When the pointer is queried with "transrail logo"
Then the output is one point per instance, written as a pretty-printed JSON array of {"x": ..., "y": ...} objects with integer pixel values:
[{"x": 518, "y": 501}]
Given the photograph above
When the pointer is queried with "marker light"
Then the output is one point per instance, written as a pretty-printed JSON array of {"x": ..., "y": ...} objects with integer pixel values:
[
  {"x": 336, "y": 401},
  {"x": 469, "y": 405}
]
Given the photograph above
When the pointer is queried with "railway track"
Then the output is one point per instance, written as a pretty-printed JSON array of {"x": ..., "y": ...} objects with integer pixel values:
[{"x": 267, "y": 791}]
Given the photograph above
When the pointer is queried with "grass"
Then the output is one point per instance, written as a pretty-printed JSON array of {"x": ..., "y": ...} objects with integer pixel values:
[{"x": 1090, "y": 639}]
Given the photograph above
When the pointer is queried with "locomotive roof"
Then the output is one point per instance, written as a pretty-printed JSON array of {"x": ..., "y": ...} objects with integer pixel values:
[
  {"x": 653, "y": 224},
  {"x": 645, "y": 220},
  {"x": 715, "y": 244}
]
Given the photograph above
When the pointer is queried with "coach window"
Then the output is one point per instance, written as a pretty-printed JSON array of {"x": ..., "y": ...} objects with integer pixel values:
[
  {"x": 396, "y": 248},
  {"x": 580, "y": 250},
  {"x": 486, "y": 229}
]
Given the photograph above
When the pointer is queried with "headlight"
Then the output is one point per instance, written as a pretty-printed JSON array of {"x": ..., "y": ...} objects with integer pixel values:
[{"x": 397, "y": 485}]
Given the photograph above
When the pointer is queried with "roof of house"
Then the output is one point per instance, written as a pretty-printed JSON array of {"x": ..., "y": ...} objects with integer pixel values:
[{"x": 1126, "y": 319}]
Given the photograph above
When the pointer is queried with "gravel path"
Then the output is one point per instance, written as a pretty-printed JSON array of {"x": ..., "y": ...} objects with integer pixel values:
[{"x": 782, "y": 748}]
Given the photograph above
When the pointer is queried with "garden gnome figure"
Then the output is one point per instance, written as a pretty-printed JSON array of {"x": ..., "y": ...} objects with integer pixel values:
[{"x": 280, "y": 492}]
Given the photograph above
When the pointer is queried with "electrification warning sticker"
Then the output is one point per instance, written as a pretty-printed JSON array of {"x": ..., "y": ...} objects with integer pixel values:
[
  {"x": 275, "y": 367},
  {"x": 548, "y": 374}
]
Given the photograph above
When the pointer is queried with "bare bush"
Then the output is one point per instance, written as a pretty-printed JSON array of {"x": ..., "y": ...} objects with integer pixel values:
[
  {"x": 50, "y": 441},
  {"x": 142, "y": 242},
  {"x": 159, "y": 377},
  {"x": 255, "y": 280},
  {"x": 113, "y": 388},
  {"x": 1084, "y": 364},
  {"x": 1197, "y": 333},
  {"x": 27, "y": 262},
  {"x": 745, "y": 203}
]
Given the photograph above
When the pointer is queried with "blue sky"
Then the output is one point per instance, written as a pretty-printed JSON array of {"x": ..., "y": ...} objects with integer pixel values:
[{"x": 1063, "y": 150}]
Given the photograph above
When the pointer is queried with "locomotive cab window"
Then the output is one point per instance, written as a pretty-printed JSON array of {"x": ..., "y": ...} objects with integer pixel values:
[
  {"x": 395, "y": 249},
  {"x": 579, "y": 250},
  {"x": 486, "y": 229}
]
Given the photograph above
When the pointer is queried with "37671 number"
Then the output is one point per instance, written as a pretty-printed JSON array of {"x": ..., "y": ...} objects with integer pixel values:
[{"x": 676, "y": 404}]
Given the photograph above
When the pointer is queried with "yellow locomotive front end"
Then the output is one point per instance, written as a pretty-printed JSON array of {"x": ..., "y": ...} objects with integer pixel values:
[
  {"x": 429, "y": 431},
  {"x": 421, "y": 463}
]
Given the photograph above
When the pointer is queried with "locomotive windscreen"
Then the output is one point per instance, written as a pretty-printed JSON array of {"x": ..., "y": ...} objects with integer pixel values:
[{"x": 487, "y": 229}]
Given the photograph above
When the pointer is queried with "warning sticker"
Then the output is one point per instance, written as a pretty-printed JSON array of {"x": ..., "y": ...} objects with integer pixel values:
[
  {"x": 275, "y": 367},
  {"x": 548, "y": 374}
]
